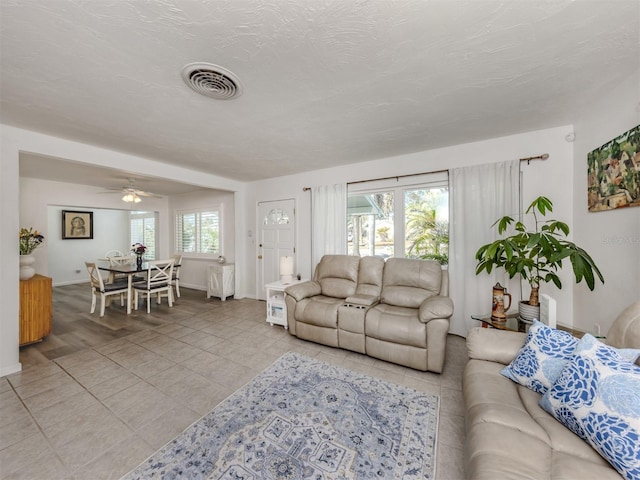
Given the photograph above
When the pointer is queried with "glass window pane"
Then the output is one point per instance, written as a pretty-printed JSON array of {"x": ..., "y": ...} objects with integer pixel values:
[
  {"x": 143, "y": 230},
  {"x": 427, "y": 224},
  {"x": 188, "y": 232},
  {"x": 370, "y": 229},
  {"x": 209, "y": 232}
]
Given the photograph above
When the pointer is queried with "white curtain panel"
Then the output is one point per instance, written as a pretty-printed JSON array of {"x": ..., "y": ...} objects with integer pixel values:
[
  {"x": 479, "y": 195},
  {"x": 329, "y": 213}
]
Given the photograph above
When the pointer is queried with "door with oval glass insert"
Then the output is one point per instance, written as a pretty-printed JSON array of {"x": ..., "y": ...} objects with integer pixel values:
[{"x": 276, "y": 239}]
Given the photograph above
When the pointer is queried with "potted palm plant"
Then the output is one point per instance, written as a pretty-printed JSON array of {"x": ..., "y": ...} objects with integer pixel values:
[{"x": 536, "y": 255}]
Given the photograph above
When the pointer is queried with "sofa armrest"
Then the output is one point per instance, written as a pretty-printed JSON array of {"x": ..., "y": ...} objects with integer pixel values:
[
  {"x": 494, "y": 345},
  {"x": 304, "y": 290},
  {"x": 435, "y": 307}
]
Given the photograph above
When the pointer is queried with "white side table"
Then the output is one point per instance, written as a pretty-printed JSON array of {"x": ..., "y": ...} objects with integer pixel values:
[
  {"x": 221, "y": 280},
  {"x": 276, "y": 306}
]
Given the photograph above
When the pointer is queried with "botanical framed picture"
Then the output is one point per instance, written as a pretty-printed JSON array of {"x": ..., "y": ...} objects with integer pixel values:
[
  {"x": 77, "y": 225},
  {"x": 614, "y": 173}
]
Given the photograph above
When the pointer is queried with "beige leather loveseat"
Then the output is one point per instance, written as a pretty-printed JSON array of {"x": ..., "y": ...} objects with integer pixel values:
[
  {"x": 397, "y": 311},
  {"x": 508, "y": 435}
]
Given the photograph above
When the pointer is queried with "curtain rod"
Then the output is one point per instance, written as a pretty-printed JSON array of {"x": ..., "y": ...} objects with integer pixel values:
[
  {"x": 544, "y": 156},
  {"x": 397, "y": 177}
]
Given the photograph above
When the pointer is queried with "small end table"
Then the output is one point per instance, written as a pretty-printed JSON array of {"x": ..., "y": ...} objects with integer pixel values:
[
  {"x": 512, "y": 323},
  {"x": 276, "y": 306}
]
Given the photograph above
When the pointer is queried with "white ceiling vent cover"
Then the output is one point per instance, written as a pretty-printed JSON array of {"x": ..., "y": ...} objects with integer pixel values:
[{"x": 212, "y": 81}]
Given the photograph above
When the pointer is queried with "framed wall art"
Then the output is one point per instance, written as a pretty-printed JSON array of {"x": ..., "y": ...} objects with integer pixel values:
[
  {"x": 614, "y": 173},
  {"x": 77, "y": 225}
]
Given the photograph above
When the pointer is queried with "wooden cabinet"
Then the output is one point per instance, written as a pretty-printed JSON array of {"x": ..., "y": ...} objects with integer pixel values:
[
  {"x": 221, "y": 280},
  {"x": 36, "y": 309}
]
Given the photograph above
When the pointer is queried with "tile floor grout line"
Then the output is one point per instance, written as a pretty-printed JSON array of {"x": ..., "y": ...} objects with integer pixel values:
[{"x": 38, "y": 426}]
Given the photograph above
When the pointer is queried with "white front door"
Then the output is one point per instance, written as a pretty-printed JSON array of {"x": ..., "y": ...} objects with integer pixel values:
[{"x": 276, "y": 238}]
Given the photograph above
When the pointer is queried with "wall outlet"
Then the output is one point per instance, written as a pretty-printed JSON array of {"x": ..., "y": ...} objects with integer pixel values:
[{"x": 596, "y": 329}]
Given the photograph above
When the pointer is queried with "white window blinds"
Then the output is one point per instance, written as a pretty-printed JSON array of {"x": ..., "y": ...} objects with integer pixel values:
[
  {"x": 143, "y": 230},
  {"x": 198, "y": 232}
]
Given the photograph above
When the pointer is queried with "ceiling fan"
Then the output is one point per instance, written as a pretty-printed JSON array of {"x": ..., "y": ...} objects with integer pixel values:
[{"x": 131, "y": 194}]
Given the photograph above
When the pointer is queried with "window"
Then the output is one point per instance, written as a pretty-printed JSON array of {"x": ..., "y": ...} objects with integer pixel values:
[
  {"x": 404, "y": 217},
  {"x": 143, "y": 230},
  {"x": 198, "y": 232}
]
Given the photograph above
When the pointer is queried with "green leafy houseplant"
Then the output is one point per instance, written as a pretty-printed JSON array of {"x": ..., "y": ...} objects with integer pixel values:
[
  {"x": 29, "y": 240},
  {"x": 537, "y": 255}
]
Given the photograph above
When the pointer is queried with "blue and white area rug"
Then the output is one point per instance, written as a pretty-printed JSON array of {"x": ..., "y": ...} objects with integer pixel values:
[{"x": 306, "y": 419}]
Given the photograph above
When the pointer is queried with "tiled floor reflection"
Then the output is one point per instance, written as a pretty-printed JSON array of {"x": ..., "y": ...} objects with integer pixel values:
[{"x": 99, "y": 396}]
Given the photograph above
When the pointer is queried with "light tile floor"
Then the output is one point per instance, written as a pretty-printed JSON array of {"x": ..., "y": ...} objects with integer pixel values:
[{"x": 100, "y": 411}]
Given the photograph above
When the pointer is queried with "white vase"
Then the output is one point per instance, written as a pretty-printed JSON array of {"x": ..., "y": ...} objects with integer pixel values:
[
  {"x": 528, "y": 312},
  {"x": 26, "y": 269}
]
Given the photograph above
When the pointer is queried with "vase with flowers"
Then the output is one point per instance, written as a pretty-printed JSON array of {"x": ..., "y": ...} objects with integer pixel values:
[
  {"x": 30, "y": 239},
  {"x": 139, "y": 250}
]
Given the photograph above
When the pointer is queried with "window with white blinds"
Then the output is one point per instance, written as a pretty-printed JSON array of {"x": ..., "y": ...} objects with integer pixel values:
[
  {"x": 198, "y": 232},
  {"x": 143, "y": 230}
]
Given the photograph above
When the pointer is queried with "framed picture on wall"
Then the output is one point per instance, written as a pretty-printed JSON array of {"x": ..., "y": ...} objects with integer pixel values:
[
  {"x": 614, "y": 173},
  {"x": 77, "y": 225}
]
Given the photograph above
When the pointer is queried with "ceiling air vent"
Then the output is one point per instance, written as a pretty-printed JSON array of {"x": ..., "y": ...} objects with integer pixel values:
[{"x": 212, "y": 81}]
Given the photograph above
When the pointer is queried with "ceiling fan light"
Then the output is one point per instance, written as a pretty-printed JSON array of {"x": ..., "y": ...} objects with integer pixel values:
[{"x": 131, "y": 198}]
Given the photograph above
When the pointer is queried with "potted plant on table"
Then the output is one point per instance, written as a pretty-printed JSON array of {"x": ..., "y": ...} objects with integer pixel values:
[
  {"x": 536, "y": 255},
  {"x": 139, "y": 250},
  {"x": 29, "y": 240}
]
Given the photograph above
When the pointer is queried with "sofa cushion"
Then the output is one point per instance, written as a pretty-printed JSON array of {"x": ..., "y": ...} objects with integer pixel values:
[
  {"x": 542, "y": 358},
  {"x": 319, "y": 310},
  {"x": 597, "y": 396},
  {"x": 370, "y": 276},
  {"x": 338, "y": 275},
  {"x": 408, "y": 282},
  {"x": 494, "y": 345},
  {"x": 396, "y": 325}
]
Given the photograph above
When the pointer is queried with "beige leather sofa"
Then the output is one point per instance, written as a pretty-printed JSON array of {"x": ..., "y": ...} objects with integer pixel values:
[
  {"x": 397, "y": 311},
  {"x": 508, "y": 434}
]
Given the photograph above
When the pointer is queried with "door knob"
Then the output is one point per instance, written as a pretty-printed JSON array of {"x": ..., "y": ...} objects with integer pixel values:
[{"x": 259, "y": 257}]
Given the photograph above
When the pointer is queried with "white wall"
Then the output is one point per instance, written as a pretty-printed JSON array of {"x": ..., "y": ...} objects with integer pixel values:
[
  {"x": 9, "y": 253},
  {"x": 193, "y": 271},
  {"x": 552, "y": 178},
  {"x": 611, "y": 237},
  {"x": 67, "y": 257}
]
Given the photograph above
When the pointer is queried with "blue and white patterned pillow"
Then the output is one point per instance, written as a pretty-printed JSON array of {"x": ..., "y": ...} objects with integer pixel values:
[
  {"x": 597, "y": 396},
  {"x": 542, "y": 358}
]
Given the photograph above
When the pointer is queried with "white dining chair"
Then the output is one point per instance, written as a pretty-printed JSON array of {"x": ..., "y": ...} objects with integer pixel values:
[
  {"x": 159, "y": 275},
  {"x": 175, "y": 280},
  {"x": 119, "y": 261},
  {"x": 98, "y": 287}
]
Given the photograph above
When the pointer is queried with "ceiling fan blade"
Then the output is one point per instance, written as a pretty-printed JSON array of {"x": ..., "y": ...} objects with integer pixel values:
[{"x": 142, "y": 193}]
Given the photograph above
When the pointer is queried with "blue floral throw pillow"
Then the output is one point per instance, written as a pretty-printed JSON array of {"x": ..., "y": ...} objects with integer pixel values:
[
  {"x": 597, "y": 396},
  {"x": 542, "y": 358}
]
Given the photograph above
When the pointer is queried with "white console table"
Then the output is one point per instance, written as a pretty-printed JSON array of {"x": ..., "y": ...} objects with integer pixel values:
[
  {"x": 221, "y": 280},
  {"x": 276, "y": 306}
]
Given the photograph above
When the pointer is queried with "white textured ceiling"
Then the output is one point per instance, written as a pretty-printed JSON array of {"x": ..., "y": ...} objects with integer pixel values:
[{"x": 326, "y": 82}]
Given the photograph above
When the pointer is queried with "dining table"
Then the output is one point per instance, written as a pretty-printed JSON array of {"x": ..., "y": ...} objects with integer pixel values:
[{"x": 129, "y": 270}]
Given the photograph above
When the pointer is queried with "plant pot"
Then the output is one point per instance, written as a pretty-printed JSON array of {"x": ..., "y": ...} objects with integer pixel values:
[
  {"x": 26, "y": 269},
  {"x": 528, "y": 312}
]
